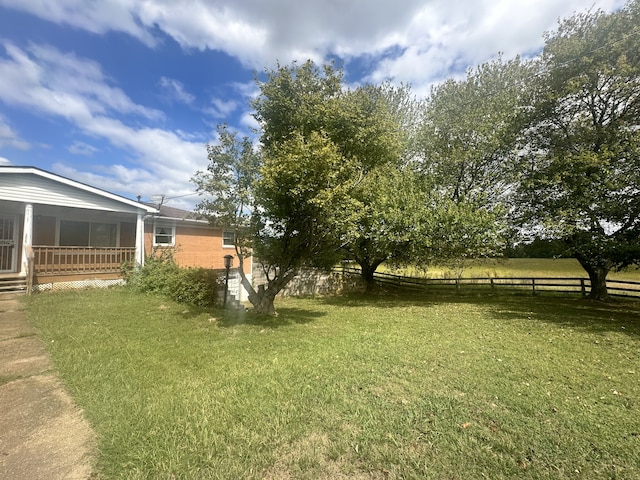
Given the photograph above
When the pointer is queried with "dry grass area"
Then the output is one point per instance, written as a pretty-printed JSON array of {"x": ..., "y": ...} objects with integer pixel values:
[{"x": 514, "y": 267}]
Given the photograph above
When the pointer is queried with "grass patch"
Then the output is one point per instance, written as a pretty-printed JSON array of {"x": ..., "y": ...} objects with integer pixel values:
[
  {"x": 4, "y": 379},
  {"x": 447, "y": 386}
]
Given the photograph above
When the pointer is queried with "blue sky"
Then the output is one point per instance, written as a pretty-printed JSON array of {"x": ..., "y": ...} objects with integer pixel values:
[{"x": 124, "y": 94}]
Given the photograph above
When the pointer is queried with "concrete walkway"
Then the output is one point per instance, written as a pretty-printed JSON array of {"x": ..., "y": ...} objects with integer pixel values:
[{"x": 43, "y": 434}]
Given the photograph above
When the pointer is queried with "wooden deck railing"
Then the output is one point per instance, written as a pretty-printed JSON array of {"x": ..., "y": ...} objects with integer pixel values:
[{"x": 76, "y": 260}]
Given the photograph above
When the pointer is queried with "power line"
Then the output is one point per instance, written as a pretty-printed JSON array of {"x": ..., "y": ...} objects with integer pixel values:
[{"x": 181, "y": 196}]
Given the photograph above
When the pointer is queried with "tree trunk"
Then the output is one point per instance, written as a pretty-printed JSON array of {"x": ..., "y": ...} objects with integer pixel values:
[
  {"x": 263, "y": 299},
  {"x": 265, "y": 304},
  {"x": 367, "y": 276},
  {"x": 597, "y": 272},
  {"x": 368, "y": 269}
]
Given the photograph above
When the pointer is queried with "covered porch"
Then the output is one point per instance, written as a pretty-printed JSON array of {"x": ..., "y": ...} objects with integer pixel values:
[
  {"x": 54, "y": 231},
  {"x": 41, "y": 245}
]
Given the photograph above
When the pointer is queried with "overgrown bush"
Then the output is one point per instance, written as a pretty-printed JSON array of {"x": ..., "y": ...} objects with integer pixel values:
[
  {"x": 161, "y": 274},
  {"x": 196, "y": 286}
]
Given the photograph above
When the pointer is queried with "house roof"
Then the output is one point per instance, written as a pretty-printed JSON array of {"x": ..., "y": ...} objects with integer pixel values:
[
  {"x": 172, "y": 213},
  {"x": 22, "y": 192}
]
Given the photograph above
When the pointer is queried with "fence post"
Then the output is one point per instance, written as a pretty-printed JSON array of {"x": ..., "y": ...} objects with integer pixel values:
[
  {"x": 533, "y": 285},
  {"x": 492, "y": 285},
  {"x": 582, "y": 288}
]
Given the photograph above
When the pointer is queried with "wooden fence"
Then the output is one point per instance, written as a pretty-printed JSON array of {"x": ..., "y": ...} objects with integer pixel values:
[
  {"x": 578, "y": 285},
  {"x": 76, "y": 260}
]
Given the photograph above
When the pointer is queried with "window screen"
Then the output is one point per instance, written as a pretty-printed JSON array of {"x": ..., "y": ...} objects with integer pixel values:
[
  {"x": 74, "y": 234},
  {"x": 103, "y": 235},
  {"x": 163, "y": 235},
  {"x": 228, "y": 239}
]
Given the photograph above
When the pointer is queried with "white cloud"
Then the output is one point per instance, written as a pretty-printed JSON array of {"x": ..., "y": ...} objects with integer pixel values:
[
  {"x": 206, "y": 25},
  {"x": 59, "y": 83},
  {"x": 160, "y": 160},
  {"x": 5, "y": 161},
  {"x": 435, "y": 36},
  {"x": 220, "y": 108},
  {"x": 158, "y": 150},
  {"x": 246, "y": 90},
  {"x": 35, "y": 80},
  {"x": 254, "y": 31},
  {"x": 9, "y": 138},
  {"x": 414, "y": 41},
  {"x": 248, "y": 121},
  {"x": 444, "y": 40},
  {"x": 176, "y": 91},
  {"x": 81, "y": 148},
  {"x": 94, "y": 16}
]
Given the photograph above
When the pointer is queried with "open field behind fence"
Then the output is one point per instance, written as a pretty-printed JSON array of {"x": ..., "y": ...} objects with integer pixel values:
[
  {"x": 534, "y": 284},
  {"x": 511, "y": 267},
  {"x": 535, "y": 275}
]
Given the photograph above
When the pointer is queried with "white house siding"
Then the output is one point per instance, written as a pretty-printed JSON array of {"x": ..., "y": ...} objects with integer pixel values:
[{"x": 30, "y": 188}]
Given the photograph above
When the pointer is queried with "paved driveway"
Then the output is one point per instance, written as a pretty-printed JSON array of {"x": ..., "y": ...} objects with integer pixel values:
[{"x": 43, "y": 434}]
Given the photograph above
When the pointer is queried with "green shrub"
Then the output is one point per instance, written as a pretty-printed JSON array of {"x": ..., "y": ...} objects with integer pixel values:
[
  {"x": 196, "y": 286},
  {"x": 160, "y": 274}
]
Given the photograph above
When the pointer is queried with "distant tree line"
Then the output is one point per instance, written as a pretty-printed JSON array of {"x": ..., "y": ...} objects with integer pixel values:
[{"x": 544, "y": 152}]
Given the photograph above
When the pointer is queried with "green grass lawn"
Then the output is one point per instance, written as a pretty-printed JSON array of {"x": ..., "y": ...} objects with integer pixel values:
[{"x": 397, "y": 387}]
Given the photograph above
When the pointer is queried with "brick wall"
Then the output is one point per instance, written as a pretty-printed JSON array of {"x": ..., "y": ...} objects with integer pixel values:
[{"x": 196, "y": 246}]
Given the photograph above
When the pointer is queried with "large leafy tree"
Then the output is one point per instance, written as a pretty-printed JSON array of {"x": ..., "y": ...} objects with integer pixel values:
[
  {"x": 228, "y": 186},
  {"x": 469, "y": 130},
  {"x": 295, "y": 99},
  {"x": 281, "y": 196},
  {"x": 365, "y": 126},
  {"x": 369, "y": 126},
  {"x": 405, "y": 216},
  {"x": 303, "y": 183},
  {"x": 466, "y": 150},
  {"x": 391, "y": 214},
  {"x": 581, "y": 170},
  {"x": 277, "y": 201}
]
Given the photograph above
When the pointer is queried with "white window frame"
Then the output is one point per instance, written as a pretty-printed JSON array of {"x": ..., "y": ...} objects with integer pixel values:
[
  {"x": 171, "y": 228},
  {"x": 228, "y": 235}
]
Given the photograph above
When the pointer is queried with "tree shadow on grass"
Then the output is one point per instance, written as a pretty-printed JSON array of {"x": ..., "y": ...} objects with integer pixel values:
[
  {"x": 616, "y": 315},
  {"x": 286, "y": 316},
  {"x": 380, "y": 299},
  {"x": 594, "y": 316},
  {"x": 394, "y": 298}
]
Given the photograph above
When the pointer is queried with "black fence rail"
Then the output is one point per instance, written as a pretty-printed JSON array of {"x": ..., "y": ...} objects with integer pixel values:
[{"x": 620, "y": 288}]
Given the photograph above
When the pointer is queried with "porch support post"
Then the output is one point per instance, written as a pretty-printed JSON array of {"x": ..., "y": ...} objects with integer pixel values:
[
  {"x": 27, "y": 236},
  {"x": 140, "y": 240}
]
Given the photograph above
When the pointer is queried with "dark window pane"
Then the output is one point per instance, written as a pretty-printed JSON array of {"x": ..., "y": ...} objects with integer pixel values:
[
  {"x": 74, "y": 234},
  {"x": 103, "y": 234},
  {"x": 163, "y": 236}
]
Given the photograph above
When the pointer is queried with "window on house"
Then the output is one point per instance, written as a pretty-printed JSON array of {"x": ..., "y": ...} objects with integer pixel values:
[
  {"x": 87, "y": 234},
  {"x": 164, "y": 236},
  {"x": 228, "y": 239},
  {"x": 74, "y": 234},
  {"x": 103, "y": 235}
]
